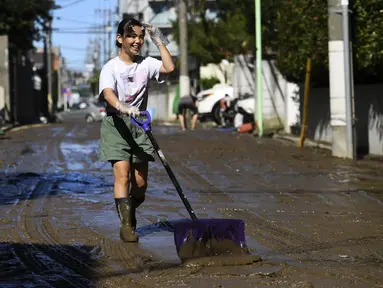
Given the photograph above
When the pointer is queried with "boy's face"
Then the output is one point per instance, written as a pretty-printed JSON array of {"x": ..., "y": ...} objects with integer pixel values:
[{"x": 132, "y": 41}]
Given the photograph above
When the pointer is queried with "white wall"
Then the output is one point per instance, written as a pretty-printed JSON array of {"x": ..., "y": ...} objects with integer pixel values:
[
  {"x": 369, "y": 117},
  {"x": 2, "y": 98},
  {"x": 243, "y": 76},
  {"x": 319, "y": 114},
  {"x": 375, "y": 126},
  {"x": 5, "y": 100},
  {"x": 161, "y": 100},
  {"x": 368, "y": 114},
  {"x": 221, "y": 71},
  {"x": 280, "y": 110}
]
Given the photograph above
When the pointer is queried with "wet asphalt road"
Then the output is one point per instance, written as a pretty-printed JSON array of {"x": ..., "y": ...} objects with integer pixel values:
[{"x": 314, "y": 220}]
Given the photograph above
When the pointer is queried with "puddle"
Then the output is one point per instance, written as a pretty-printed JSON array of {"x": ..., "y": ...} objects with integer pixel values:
[
  {"x": 77, "y": 156},
  {"x": 244, "y": 271},
  {"x": 106, "y": 222},
  {"x": 161, "y": 245},
  {"x": 219, "y": 261},
  {"x": 69, "y": 147}
]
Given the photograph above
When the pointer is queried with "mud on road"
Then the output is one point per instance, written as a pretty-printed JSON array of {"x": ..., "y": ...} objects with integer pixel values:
[{"x": 314, "y": 220}]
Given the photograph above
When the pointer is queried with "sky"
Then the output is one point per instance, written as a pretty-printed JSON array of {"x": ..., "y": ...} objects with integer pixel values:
[{"x": 78, "y": 15}]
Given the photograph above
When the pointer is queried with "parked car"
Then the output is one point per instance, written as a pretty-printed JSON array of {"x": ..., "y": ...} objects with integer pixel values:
[
  {"x": 95, "y": 112},
  {"x": 208, "y": 102},
  {"x": 89, "y": 110}
]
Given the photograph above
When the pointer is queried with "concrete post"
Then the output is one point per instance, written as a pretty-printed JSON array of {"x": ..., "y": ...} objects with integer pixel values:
[
  {"x": 122, "y": 8},
  {"x": 184, "y": 70},
  {"x": 49, "y": 68},
  {"x": 59, "y": 80},
  {"x": 5, "y": 101},
  {"x": 258, "y": 39},
  {"x": 339, "y": 82}
]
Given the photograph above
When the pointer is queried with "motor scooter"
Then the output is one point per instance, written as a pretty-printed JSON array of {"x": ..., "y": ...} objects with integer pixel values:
[{"x": 244, "y": 110}]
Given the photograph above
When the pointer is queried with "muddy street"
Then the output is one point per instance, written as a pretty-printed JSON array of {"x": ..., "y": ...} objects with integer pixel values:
[{"x": 314, "y": 220}]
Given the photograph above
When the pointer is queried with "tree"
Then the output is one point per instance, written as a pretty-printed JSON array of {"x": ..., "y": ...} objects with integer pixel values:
[
  {"x": 301, "y": 32},
  {"x": 94, "y": 81},
  {"x": 228, "y": 34},
  {"x": 292, "y": 31},
  {"x": 368, "y": 40},
  {"x": 230, "y": 9},
  {"x": 20, "y": 20}
]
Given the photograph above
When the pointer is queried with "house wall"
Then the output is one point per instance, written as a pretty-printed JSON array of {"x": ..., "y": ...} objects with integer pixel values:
[
  {"x": 280, "y": 101},
  {"x": 375, "y": 120},
  {"x": 160, "y": 101},
  {"x": 368, "y": 113},
  {"x": 283, "y": 104},
  {"x": 223, "y": 72}
]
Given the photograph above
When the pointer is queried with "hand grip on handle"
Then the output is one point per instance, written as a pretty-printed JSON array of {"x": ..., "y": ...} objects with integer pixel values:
[{"x": 143, "y": 124}]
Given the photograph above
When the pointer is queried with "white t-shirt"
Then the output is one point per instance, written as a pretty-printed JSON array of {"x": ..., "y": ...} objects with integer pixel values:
[{"x": 130, "y": 81}]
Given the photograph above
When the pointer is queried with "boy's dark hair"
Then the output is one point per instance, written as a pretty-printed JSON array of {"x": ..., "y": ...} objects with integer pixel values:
[{"x": 125, "y": 27}]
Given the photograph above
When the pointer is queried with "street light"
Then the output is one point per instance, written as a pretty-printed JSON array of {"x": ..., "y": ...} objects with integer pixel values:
[{"x": 258, "y": 41}]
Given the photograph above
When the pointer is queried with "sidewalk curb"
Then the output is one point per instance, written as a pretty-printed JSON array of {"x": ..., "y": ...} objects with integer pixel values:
[
  {"x": 307, "y": 143},
  {"x": 6, "y": 128},
  {"x": 14, "y": 128}
]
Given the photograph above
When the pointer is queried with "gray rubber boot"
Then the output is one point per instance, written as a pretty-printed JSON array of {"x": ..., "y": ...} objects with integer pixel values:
[{"x": 127, "y": 213}]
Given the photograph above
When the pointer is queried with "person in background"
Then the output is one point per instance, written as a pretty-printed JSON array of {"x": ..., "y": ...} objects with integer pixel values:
[
  {"x": 187, "y": 103},
  {"x": 224, "y": 104},
  {"x": 36, "y": 93}
]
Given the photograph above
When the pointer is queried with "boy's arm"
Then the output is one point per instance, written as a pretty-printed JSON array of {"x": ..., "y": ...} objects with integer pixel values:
[
  {"x": 157, "y": 36},
  {"x": 113, "y": 101},
  {"x": 167, "y": 61},
  {"x": 110, "y": 97}
]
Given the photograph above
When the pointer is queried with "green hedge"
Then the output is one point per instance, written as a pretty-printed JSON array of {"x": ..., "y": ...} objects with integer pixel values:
[
  {"x": 207, "y": 83},
  {"x": 23, "y": 21}
]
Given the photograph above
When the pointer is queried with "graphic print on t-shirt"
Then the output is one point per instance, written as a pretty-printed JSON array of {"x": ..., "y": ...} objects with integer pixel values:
[{"x": 134, "y": 84}]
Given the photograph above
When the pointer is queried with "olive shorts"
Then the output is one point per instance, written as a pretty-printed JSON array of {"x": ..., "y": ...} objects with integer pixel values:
[{"x": 122, "y": 140}]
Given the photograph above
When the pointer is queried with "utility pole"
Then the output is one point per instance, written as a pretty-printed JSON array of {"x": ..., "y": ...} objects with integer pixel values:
[
  {"x": 341, "y": 83},
  {"x": 105, "y": 35},
  {"x": 137, "y": 8},
  {"x": 122, "y": 8},
  {"x": 15, "y": 113},
  {"x": 59, "y": 74},
  {"x": 49, "y": 68},
  {"x": 109, "y": 29},
  {"x": 184, "y": 72},
  {"x": 258, "y": 32}
]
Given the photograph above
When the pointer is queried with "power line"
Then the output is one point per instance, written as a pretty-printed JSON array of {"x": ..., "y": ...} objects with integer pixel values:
[
  {"x": 79, "y": 32},
  {"x": 73, "y": 48},
  {"x": 75, "y": 60},
  {"x": 71, "y": 4},
  {"x": 79, "y": 28},
  {"x": 74, "y": 20}
]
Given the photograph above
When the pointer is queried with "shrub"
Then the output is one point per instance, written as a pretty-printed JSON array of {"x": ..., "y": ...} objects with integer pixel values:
[{"x": 207, "y": 83}]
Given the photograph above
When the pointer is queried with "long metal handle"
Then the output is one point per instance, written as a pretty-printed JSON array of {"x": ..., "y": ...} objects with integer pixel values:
[{"x": 171, "y": 175}]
